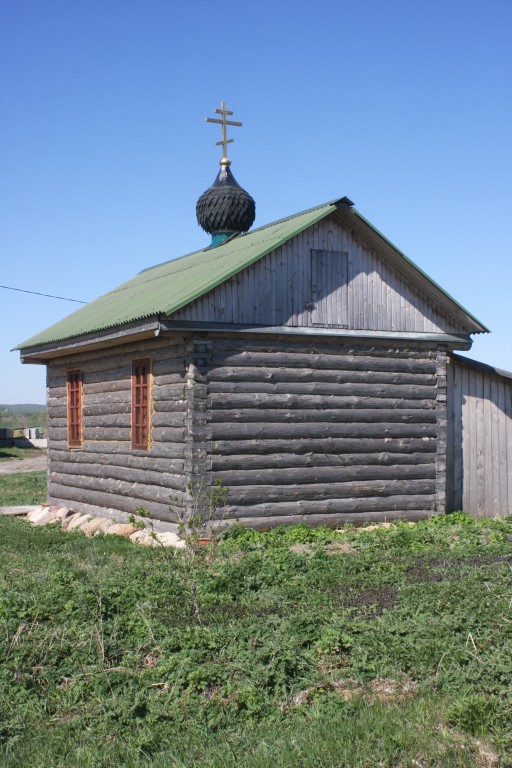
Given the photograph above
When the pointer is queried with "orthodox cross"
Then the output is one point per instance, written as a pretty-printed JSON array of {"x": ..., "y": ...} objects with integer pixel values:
[{"x": 224, "y": 122}]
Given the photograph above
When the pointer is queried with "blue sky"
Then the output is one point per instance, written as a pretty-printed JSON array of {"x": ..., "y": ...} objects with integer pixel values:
[{"x": 404, "y": 107}]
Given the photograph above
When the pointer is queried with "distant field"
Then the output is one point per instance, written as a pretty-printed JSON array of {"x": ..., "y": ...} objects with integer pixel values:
[{"x": 22, "y": 415}]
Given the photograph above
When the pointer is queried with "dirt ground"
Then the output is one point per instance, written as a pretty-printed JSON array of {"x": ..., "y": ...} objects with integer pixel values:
[{"x": 32, "y": 464}]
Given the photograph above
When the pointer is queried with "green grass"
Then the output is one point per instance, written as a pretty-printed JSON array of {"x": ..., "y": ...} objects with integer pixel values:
[
  {"x": 7, "y": 454},
  {"x": 23, "y": 488},
  {"x": 111, "y": 654}
]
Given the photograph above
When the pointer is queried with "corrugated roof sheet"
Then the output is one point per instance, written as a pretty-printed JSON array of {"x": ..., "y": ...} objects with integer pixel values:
[{"x": 167, "y": 287}]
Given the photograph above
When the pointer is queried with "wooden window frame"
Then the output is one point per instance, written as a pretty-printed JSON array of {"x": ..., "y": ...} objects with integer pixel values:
[
  {"x": 141, "y": 400},
  {"x": 74, "y": 391}
]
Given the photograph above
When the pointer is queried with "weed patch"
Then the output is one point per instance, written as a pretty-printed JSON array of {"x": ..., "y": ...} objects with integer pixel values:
[
  {"x": 268, "y": 650},
  {"x": 24, "y": 488}
]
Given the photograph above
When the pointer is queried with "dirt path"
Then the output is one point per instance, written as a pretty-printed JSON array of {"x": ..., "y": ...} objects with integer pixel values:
[{"x": 32, "y": 464}]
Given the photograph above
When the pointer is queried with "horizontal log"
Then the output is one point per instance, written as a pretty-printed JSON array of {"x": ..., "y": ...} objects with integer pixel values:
[
  {"x": 254, "y": 494},
  {"x": 383, "y": 505},
  {"x": 291, "y": 344},
  {"x": 120, "y": 458},
  {"x": 334, "y": 415},
  {"x": 56, "y": 381},
  {"x": 109, "y": 420},
  {"x": 106, "y": 398},
  {"x": 223, "y": 400},
  {"x": 108, "y": 385},
  {"x": 58, "y": 422},
  {"x": 168, "y": 406},
  {"x": 323, "y": 445},
  {"x": 105, "y": 409},
  {"x": 333, "y": 520},
  {"x": 167, "y": 379},
  {"x": 169, "y": 392},
  {"x": 322, "y": 361},
  {"x": 174, "y": 364},
  {"x": 168, "y": 419},
  {"x": 56, "y": 394},
  {"x": 69, "y": 496},
  {"x": 339, "y": 388},
  {"x": 57, "y": 412},
  {"x": 130, "y": 475},
  {"x": 325, "y": 474},
  {"x": 168, "y": 434},
  {"x": 289, "y": 460},
  {"x": 117, "y": 372},
  {"x": 292, "y": 375},
  {"x": 56, "y": 433},
  {"x": 320, "y": 430},
  {"x": 106, "y": 434},
  {"x": 123, "y": 448},
  {"x": 118, "y": 488}
]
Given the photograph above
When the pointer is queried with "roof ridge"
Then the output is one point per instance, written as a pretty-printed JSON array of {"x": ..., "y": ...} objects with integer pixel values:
[{"x": 240, "y": 236}]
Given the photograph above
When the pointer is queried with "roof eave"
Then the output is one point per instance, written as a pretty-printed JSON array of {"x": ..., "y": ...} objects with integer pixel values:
[{"x": 124, "y": 334}]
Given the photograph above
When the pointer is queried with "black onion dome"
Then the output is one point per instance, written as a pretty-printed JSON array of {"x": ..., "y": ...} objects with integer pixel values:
[{"x": 225, "y": 206}]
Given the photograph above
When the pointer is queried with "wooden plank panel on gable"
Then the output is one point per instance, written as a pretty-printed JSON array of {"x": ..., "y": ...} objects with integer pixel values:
[{"x": 365, "y": 291}]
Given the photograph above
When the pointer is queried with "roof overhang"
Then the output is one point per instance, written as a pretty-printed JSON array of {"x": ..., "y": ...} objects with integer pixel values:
[
  {"x": 97, "y": 340},
  {"x": 441, "y": 340}
]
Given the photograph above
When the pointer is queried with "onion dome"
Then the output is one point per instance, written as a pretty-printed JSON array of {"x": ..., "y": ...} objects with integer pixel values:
[{"x": 225, "y": 208}]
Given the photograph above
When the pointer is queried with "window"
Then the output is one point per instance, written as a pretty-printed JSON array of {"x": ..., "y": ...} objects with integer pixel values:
[
  {"x": 141, "y": 372},
  {"x": 74, "y": 397}
]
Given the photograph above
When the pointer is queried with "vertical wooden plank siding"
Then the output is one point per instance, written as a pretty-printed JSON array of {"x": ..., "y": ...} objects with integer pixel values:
[
  {"x": 480, "y": 424},
  {"x": 360, "y": 290}
]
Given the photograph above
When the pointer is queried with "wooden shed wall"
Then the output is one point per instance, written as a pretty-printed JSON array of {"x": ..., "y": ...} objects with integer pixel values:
[
  {"x": 326, "y": 432},
  {"x": 325, "y": 276},
  {"x": 479, "y": 440},
  {"x": 106, "y": 472}
]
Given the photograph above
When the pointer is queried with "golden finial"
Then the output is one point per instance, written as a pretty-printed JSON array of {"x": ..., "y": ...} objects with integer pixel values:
[{"x": 225, "y": 141}]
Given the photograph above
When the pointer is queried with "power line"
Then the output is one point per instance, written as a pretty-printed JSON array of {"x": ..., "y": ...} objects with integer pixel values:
[{"x": 48, "y": 295}]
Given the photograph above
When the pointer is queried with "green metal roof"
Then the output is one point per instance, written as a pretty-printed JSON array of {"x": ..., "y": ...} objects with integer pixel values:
[{"x": 164, "y": 289}]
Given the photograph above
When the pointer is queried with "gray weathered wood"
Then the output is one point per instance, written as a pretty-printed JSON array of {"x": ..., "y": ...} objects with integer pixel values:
[
  {"x": 329, "y": 509},
  {"x": 318, "y": 430},
  {"x": 480, "y": 420},
  {"x": 351, "y": 489},
  {"x": 341, "y": 387},
  {"x": 303, "y": 445},
  {"x": 129, "y": 475},
  {"x": 327, "y": 415},
  {"x": 363, "y": 290},
  {"x": 290, "y": 459},
  {"x": 275, "y": 375},
  {"x": 222, "y": 400}
]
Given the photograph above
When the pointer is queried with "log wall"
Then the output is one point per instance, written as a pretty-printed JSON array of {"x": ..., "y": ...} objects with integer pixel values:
[
  {"x": 323, "y": 277},
  {"x": 106, "y": 473},
  {"x": 311, "y": 430},
  {"x": 326, "y": 432},
  {"x": 479, "y": 439}
]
